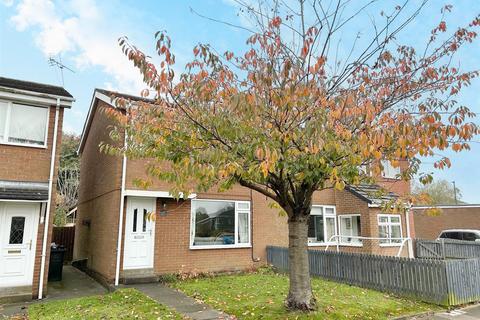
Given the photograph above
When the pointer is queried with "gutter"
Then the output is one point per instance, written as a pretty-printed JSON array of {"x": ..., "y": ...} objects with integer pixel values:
[
  {"x": 120, "y": 216},
  {"x": 49, "y": 202},
  {"x": 39, "y": 94}
]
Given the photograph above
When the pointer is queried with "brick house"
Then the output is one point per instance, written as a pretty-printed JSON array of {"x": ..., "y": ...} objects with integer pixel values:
[
  {"x": 461, "y": 216},
  {"x": 209, "y": 231},
  {"x": 31, "y": 116}
]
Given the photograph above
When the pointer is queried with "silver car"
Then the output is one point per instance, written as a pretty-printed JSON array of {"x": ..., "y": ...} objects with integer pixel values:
[{"x": 460, "y": 234}]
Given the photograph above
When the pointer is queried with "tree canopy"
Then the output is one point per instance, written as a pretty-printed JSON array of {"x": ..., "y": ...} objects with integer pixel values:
[
  {"x": 439, "y": 192},
  {"x": 285, "y": 118}
]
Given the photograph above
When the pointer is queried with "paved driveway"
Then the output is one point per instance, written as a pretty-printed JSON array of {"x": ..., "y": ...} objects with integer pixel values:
[
  {"x": 75, "y": 284},
  {"x": 468, "y": 313}
]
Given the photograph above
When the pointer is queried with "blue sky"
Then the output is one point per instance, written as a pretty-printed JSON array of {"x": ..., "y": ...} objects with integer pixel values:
[{"x": 84, "y": 33}]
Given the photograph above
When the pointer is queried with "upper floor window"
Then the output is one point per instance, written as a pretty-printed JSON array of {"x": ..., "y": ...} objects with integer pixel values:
[
  {"x": 389, "y": 171},
  {"x": 22, "y": 124}
]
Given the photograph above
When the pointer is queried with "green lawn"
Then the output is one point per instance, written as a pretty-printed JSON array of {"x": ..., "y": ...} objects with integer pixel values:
[
  {"x": 260, "y": 296},
  {"x": 122, "y": 304}
]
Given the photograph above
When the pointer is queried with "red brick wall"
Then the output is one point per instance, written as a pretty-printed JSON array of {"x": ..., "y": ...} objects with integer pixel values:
[
  {"x": 26, "y": 163},
  {"x": 33, "y": 164},
  {"x": 172, "y": 242},
  {"x": 99, "y": 201},
  {"x": 429, "y": 227}
]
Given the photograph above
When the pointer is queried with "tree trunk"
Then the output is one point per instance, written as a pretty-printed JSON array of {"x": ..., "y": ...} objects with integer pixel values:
[{"x": 300, "y": 296}]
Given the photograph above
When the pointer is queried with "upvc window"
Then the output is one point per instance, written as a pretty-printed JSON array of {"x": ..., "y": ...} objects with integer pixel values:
[
  {"x": 349, "y": 228},
  {"x": 220, "y": 224},
  {"x": 23, "y": 124},
  {"x": 389, "y": 171},
  {"x": 322, "y": 224},
  {"x": 389, "y": 229}
]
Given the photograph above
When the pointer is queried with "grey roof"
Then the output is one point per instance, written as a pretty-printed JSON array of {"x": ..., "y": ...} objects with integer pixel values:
[
  {"x": 23, "y": 190},
  {"x": 124, "y": 96},
  {"x": 34, "y": 86},
  {"x": 372, "y": 193}
]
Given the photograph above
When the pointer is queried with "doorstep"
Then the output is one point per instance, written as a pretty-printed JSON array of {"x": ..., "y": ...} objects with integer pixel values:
[
  {"x": 138, "y": 276},
  {"x": 15, "y": 294}
]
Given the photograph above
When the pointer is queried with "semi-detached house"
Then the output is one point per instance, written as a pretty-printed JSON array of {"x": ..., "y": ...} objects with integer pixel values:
[
  {"x": 209, "y": 231},
  {"x": 31, "y": 117}
]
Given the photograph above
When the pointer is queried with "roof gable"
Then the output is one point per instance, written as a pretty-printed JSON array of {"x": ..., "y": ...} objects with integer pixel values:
[{"x": 107, "y": 97}]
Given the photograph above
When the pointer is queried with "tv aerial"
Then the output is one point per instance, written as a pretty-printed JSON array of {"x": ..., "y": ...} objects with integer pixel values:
[{"x": 58, "y": 63}]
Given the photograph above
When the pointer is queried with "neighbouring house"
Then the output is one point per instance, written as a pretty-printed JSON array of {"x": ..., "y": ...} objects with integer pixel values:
[
  {"x": 31, "y": 116},
  {"x": 428, "y": 226},
  {"x": 210, "y": 231}
]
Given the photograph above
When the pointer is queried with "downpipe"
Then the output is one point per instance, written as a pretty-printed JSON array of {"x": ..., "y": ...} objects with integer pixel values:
[{"x": 49, "y": 202}]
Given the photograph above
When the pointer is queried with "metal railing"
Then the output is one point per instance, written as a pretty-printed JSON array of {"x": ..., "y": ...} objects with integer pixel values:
[{"x": 338, "y": 243}]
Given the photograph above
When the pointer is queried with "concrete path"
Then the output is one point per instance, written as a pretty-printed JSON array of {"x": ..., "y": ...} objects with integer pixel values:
[
  {"x": 179, "y": 301},
  {"x": 468, "y": 313},
  {"x": 74, "y": 284}
]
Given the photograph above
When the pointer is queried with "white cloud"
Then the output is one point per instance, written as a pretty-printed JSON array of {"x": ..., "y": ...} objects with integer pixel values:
[
  {"x": 7, "y": 3},
  {"x": 84, "y": 32}
]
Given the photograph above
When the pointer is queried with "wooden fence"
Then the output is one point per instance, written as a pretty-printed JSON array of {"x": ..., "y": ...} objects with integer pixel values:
[
  {"x": 444, "y": 282},
  {"x": 447, "y": 249},
  {"x": 65, "y": 236}
]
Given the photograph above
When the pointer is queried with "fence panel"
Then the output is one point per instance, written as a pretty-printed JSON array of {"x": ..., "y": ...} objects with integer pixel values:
[
  {"x": 429, "y": 249},
  {"x": 65, "y": 236},
  {"x": 420, "y": 279},
  {"x": 447, "y": 249},
  {"x": 446, "y": 282},
  {"x": 463, "y": 280}
]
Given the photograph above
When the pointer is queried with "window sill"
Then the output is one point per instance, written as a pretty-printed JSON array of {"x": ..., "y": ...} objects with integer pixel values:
[
  {"x": 335, "y": 244},
  {"x": 390, "y": 245},
  {"x": 351, "y": 244},
  {"x": 227, "y": 246},
  {"x": 24, "y": 145},
  {"x": 322, "y": 244}
]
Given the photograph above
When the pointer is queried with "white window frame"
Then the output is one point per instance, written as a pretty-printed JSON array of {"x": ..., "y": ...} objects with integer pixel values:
[
  {"x": 342, "y": 236},
  {"x": 389, "y": 171},
  {"x": 313, "y": 243},
  {"x": 225, "y": 246},
  {"x": 5, "y": 141},
  {"x": 389, "y": 225}
]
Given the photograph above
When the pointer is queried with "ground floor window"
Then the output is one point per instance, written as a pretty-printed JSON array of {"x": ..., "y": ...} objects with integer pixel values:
[
  {"x": 220, "y": 223},
  {"x": 349, "y": 227},
  {"x": 389, "y": 228},
  {"x": 322, "y": 224}
]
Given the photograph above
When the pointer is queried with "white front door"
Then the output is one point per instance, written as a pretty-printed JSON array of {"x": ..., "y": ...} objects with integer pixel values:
[
  {"x": 18, "y": 235},
  {"x": 139, "y": 234}
]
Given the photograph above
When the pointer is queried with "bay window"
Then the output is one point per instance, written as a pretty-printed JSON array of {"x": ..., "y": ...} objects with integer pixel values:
[
  {"x": 389, "y": 229},
  {"x": 219, "y": 223},
  {"x": 23, "y": 124},
  {"x": 349, "y": 227},
  {"x": 322, "y": 224}
]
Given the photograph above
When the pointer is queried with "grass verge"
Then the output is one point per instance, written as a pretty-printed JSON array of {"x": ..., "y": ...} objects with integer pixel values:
[
  {"x": 260, "y": 295},
  {"x": 122, "y": 304}
]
